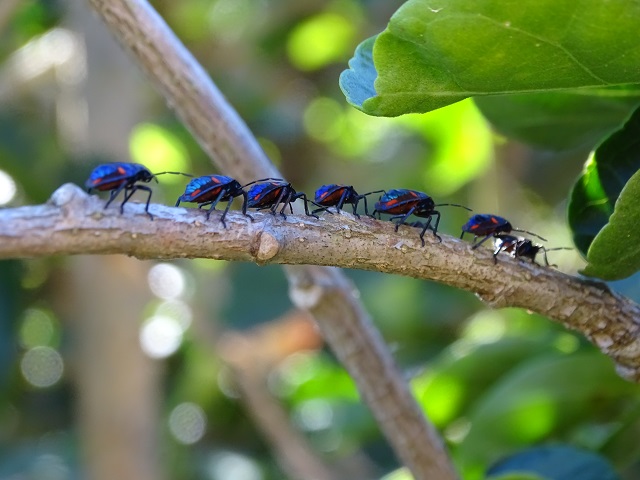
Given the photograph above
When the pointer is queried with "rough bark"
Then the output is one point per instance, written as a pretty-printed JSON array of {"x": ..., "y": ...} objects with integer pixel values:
[{"x": 75, "y": 223}]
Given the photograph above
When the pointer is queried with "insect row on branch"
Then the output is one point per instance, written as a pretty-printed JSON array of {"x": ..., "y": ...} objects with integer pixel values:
[{"x": 270, "y": 193}]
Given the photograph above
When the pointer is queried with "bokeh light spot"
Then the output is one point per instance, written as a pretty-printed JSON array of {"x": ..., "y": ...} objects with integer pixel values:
[
  {"x": 166, "y": 281},
  {"x": 226, "y": 383},
  {"x": 486, "y": 326},
  {"x": 400, "y": 474},
  {"x": 35, "y": 274},
  {"x": 314, "y": 414},
  {"x": 159, "y": 150},
  {"x": 42, "y": 366},
  {"x": 190, "y": 20},
  {"x": 324, "y": 38},
  {"x": 457, "y": 431},
  {"x": 178, "y": 310},
  {"x": 228, "y": 19},
  {"x": 531, "y": 418},
  {"x": 324, "y": 119},
  {"x": 567, "y": 343},
  {"x": 233, "y": 466},
  {"x": 188, "y": 423},
  {"x": 442, "y": 397},
  {"x": 350, "y": 133},
  {"x": 298, "y": 368},
  {"x": 366, "y": 135},
  {"x": 37, "y": 329},
  {"x": 160, "y": 336},
  {"x": 7, "y": 188}
]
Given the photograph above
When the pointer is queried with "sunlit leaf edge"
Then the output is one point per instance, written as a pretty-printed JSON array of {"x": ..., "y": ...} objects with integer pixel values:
[{"x": 614, "y": 254}]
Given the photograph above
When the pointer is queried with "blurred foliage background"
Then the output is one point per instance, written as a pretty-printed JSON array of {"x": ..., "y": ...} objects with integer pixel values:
[{"x": 116, "y": 368}]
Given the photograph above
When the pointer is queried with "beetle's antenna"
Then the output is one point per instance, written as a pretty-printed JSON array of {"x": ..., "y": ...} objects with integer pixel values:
[
  {"x": 173, "y": 173},
  {"x": 452, "y": 205},
  {"x": 263, "y": 180},
  {"x": 530, "y": 233}
]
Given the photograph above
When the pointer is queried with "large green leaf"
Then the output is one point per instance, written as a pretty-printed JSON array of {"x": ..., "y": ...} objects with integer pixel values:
[
  {"x": 437, "y": 52},
  {"x": 595, "y": 193},
  {"x": 560, "y": 120},
  {"x": 454, "y": 381},
  {"x": 536, "y": 401},
  {"x": 614, "y": 254}
]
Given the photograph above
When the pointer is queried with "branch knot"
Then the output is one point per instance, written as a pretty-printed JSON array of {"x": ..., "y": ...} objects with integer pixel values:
[{"x": 268, "y": 247}]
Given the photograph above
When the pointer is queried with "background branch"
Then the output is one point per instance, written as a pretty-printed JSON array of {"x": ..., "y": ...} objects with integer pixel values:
[
  {"x": 7, "y": 10},
  {"x": 76, "y": 223},
  {"x": 340, "y": 316},
  {"x": 251, "y": 356}
]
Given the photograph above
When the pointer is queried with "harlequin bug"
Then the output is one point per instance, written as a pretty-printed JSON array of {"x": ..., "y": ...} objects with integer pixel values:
[
  {"x": 520, "y": 247},
  {"x": 423, "y": 225},
  {"x": 271, "y": 194},
  {"x": 487, "y": 225},
  {"x": 403, "y": 203},
  {"x": 120, "y": 176},
  {"x": 337, "y": 195},
  {"x": 211, "y": 189}
]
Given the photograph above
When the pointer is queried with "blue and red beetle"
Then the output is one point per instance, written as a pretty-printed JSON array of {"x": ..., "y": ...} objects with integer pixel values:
[
  {"x": 120, "y": 176},
  {"x": 488, "y": 225},
  {"x": 212, "y": 189},
  {"x": 270, "y": 194},
  {"x": 520, "y": 247},
  {"x": 402, "y": 203},
  {"x": 422, "y": 225},
  {"x": 337, "y": 195}
]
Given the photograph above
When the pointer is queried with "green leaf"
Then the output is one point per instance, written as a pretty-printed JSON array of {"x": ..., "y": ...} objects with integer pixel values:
[
  {"x": 454, "y": 381},
  {"x": 437, "y": 52},
  {"x": 560, "y": 120},
  {"x": 536, "y": 401},
  {"x": 589, "y": 207},
  {"x": 357, "y": 82},
  {"x": 593, "y": 198},
  {"x": 614, "y": 254}
]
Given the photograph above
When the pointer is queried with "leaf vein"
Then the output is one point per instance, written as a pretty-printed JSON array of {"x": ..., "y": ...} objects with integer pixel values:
[{"x": 559, "y": 46}]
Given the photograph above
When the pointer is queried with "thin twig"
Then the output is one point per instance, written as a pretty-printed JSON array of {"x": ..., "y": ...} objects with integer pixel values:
[
  {"x": 225, "y": 137},
  {"x": 75, "y": 223}
]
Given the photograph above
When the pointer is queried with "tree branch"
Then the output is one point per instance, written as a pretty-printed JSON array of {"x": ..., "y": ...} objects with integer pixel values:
[
  {"x": 225, "y": 137},
  {"x": 251, "y": 356},
  {"x": 187, "y": 88},
  {"x": 74, "y": 223}
]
